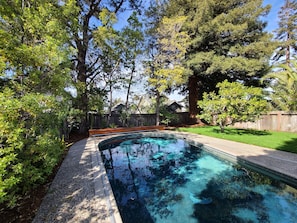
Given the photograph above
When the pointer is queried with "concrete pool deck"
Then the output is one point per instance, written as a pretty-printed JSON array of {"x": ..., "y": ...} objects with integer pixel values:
[{"x": 81, "y": 192}]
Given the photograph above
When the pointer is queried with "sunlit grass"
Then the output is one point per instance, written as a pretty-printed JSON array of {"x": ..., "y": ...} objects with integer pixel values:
[{"x": 285, "y": 141}]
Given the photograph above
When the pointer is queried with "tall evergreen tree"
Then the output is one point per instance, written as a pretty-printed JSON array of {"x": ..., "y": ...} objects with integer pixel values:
[
  {"x": 286, "y": 32},
  {"x": 228, "y": 41}
]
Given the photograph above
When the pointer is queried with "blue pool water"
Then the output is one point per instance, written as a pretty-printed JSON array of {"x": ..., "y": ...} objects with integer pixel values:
[{"x": 167, "y": 180}]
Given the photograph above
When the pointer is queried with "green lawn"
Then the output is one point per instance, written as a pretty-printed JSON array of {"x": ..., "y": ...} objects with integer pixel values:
[{"x": 276, "y": 140}]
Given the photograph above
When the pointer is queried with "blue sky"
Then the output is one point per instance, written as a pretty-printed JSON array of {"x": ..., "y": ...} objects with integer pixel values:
[{"x": 272, "y": 17}]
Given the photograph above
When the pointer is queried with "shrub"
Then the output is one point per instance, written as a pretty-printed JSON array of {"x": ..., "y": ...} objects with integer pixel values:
[
  {"x": 233, "y": 103},
  {"x": 30, "y": 146}
]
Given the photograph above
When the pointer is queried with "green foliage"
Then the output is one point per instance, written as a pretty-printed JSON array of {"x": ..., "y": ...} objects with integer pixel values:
[
  {"x": 133, "y": 40},
  {"x": 109, "y": 41},
  {"x": 125, "y": 117},
  {"x": 283, "y": 81},
  {"x": 29, "y": 142},
  {"x": 105, "y": 36},
  {"x": 167, "y": 49},
  {"x": 133, "y": 37},
  {"x": 35, "y": 70},
  {"x": 35, "y": 47},
  {"x": 172, "y": 43},
  {"x": 113, "y": 126},
  {"x": 166, "y": 116},
  {"x": 228, "y": 41},
  {"x": 227, "y": 37},
  {"x": 233, "y": 103}
]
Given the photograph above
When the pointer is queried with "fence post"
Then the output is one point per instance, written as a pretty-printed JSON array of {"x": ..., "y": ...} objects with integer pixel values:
[{"x": 279, "y": 120}]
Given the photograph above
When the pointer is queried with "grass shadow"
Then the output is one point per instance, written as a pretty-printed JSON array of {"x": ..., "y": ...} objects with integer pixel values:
[
  {"x": 232, "y": 131},
  {"x": 289, "y": 146}
]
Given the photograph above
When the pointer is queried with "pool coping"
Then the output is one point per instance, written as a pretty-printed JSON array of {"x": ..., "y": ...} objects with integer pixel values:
[{"x": 63, "y": 203}]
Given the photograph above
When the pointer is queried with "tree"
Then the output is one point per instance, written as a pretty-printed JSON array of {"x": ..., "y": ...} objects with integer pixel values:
[
  {"x": 133, "y": 40},
  {"x": 286, "y": 32},
  {"x": 33, "y": 45},
  {"x": 165, "y": 69},
  {"x": 283, "y": 81},
  {"x": 34, "y": 58},
  {"x": 233, "y": 103},
  {"x": 228, "y": 41},
  {"x": 86, "y": 17},
  {"x": 109, "y": 41}
]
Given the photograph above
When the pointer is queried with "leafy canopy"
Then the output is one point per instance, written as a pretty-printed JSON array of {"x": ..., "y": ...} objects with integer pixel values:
[
  {"x": 167, "y": 68},
  {"x": 34, "y": 72},
  {"x": 233, "y": 103},
  {"x": 283, "y": 82}
]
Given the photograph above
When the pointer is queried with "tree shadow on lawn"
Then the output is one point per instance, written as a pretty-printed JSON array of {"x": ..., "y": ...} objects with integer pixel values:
[
  {"x": 289, "y": 146},
  {"x": 232, "y": 131}
]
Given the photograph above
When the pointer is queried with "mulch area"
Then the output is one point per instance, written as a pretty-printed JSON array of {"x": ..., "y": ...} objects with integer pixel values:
[{"x": 28, "y": 205}]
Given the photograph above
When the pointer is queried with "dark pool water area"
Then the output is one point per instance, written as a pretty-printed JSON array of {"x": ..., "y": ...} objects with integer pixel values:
[{"x": 167, "y": 180}]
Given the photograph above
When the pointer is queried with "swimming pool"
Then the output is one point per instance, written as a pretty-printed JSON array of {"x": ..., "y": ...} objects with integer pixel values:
[{"x": 168, "y": 180}]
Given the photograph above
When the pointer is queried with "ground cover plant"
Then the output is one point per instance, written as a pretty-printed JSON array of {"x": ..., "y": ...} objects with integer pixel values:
[{"x": 284, "y": 141}]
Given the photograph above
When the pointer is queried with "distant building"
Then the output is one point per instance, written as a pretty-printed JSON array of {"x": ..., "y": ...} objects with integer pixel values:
[
  {"x": 174, "y": 107},
  {"x": 118, "y": 109}
]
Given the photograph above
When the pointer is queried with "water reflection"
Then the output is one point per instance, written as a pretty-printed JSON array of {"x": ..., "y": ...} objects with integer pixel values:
[{"x": 167, "y": 180}]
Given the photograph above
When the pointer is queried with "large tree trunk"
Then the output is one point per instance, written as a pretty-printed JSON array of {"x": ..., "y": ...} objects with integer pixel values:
[
  {"x": 288, "y": 51},
  {"x": 110, "y": 105},
  {"x": 82, "y": 37},
  {"x": 129, "y": 87},
  {"x": 83, "y": 105},
  {"x": 82, "y": 44},
  {"x": 193, "y": 88},
  {"x": 82, "y": 92}
]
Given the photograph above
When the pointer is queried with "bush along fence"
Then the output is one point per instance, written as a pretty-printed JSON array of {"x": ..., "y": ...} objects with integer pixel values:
[{"x": 274, "y": 121}]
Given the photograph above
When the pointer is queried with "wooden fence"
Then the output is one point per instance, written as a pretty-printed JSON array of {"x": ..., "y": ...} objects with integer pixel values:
[
  {"x": 276, "y": 121},
  {"x": 101, "y": 121}
]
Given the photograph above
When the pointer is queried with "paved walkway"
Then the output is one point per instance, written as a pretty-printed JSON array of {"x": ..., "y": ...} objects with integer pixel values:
[{"x": 81, "y": 192}]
